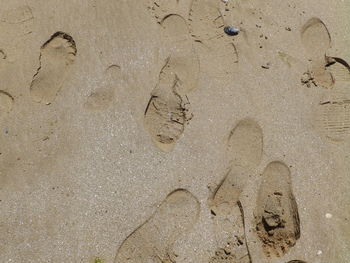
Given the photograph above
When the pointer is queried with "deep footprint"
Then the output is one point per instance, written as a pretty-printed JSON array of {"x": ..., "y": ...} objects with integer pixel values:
[
  {"x": 153, "y": 241},
  {"x": 245, "y": 148},
  {"x": 316, "y": 40},
  {"x": 277, "y": 217},
  {"x": 56, "y": 55}
]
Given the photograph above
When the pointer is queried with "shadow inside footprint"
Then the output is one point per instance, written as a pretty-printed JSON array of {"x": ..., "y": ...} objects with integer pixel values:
[
  {"x": 277, "y": 217},
  {"x": 56, "y": 55},
  {"x": 153, "y": 240}
]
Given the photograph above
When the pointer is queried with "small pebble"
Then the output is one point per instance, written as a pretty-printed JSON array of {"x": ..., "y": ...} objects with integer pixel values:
[
  {"x": 319, "y": 253},
  {"x": 328, "y": 215},
  {"x": 231, "y": 31}
]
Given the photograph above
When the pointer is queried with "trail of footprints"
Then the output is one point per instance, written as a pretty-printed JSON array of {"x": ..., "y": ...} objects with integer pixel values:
[
  {"x": 277, "y": 218},
  {"x": 167, "y": 114}
]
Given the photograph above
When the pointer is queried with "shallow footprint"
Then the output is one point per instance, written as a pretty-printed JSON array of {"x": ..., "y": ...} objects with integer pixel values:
[
  {"x": 6, "y": 103},
  {"x": 316, "y": 40},
  {"x": 56, "y": 55},
  {"x": 277, "y": 217},
  {"x": 246, "y": 143},
  {"x": 183, "y": 59},
  {"x": 207, "y": 28},
  {"x": 162, "y": 8},
  {"x": 102, "y": 98},
  {"x": 245, "y": 148},
  {"x": 153, "y": 241}
]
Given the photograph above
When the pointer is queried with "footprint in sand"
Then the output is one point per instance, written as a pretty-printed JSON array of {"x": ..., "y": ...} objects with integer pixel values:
[
  {"x": 6, "y": 103},
  {"x": 167, "y": 112},
  {"x": 245, "y": 146},
  {"x": 277, "y": 217},
  {"x": 17, "y": 15},
  {"x": 103, "y": 97},
  {"x": 332, "y": 116},
  {"x": 162, "y": 8},
  {"x": 207, "y": 28},
  {"x": 316, "y": 40},
  {"x": 153, "y": 241},
  {"x": 56, "y": 55}
]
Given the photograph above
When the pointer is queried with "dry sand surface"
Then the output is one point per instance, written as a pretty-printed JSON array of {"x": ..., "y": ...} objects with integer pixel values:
[{"x": 136, "y": 131}]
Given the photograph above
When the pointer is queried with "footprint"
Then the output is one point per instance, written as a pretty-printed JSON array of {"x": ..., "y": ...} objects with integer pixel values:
[
  {"x": 56, "y": 56},
  {"x": 153, "y": 241},
  {"x": 6, "y": 103},
  {"x": 207, "y": 28},
  {"x": 17, "y": 15},
  {"x": 184, "y": 61},
  {"x": 316, "y": 40},
  {"x": 277, "y": 217},
  {"x": 102, "y": 98},
  {"x": 167, "y": 112},
  {"x": 333, "y": 114},
  {"x": 246, "y": 143},
  {"x": 162, "y": 8},
  {"x": 332, "y": 117},
  {"x": 245, "y": 148}
]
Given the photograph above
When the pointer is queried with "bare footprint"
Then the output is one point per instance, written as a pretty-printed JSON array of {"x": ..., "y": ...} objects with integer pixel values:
[
  {"x": 245, "y": 148},
  {"x": 277, "y": 217},
  {"x": 57, "y": 54},
  {"x": 6, "y": 103},
  {"x": 167, "y": 112},
  {"x": 153, "y": 241},
  {"x": 316, "y": 40}
]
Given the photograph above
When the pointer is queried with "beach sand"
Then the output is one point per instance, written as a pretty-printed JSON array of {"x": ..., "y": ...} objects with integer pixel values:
[{"x": 138, "y": 131}]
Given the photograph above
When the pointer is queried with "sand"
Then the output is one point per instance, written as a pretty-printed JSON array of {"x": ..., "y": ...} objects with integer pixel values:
[{"x": 138, "y": 131}]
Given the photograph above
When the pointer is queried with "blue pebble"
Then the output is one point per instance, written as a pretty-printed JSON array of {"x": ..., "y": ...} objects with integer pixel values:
[{"x": 231, "y": 31}]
